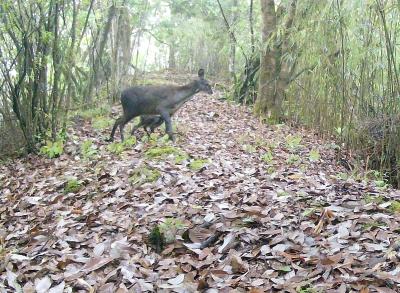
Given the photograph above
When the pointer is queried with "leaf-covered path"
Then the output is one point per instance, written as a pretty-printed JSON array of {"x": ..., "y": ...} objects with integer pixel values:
[{"x": 243, "y": 207}]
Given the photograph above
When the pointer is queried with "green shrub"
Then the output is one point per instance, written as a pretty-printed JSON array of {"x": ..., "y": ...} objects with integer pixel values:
[
  {"x": 267, "y": 157},
  {"x": 88, "y": 150},
  {"x": 101, "y": 122},
  {"x": 72, "y": 186},
  {"x": 52, "y": 149},
  {"x": 314, "y": 155},
  {"x": 293, "y": 142},
  {"x": 170, "y": 228},
  {"x": 197, "y": 165},
  {"x": 94, "y": 112},
  {"x": 119, "y": 147},
  {"x": 162, "y": 151},
  {"x": 144, "y": 175},
  {"x": 293, "y": 159}
]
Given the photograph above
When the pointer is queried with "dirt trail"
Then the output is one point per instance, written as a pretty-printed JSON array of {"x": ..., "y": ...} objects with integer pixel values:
[{"x": 284, "y": 214}]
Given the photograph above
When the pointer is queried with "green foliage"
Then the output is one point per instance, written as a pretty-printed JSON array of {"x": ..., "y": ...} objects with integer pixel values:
[
  {"x": 293, "y": 159},
  {"x": 171, "y": 223},
  {"x": 93, "y": 112},
  {"x": 261, "y": 142},
  {"x": 144, "y": 175},
  {"x": 309, "y": 212},
  {"x": 156, "y": 239},
  {"x": 395, "y": 206},
  {"x": 52, "y": 149},
  {"x": 118, "y": 147},
  {"x": 373, "y": 225},
  {"x": 88, "y": 149},
  {"x": 293, "y": 142},
  {"x": 342, "y": 176},
  {"x": 381, "y": 184},
  {"x": 169, "y": 228},
  {"x": 197, "y": 165},
  {"x": 373, "y": 175},
  {"x": 370, "y": 198},
  {"x": 101, "y": 122},
  {"x": 72, "y": 186},
  {"x": 364, "y": 117},
  {"x": 281, "y": 193},
  {"x": 181, "y": 157},
  {"x": 267, "y": 157},
  {"x": 306, "y": 289},
  {"x": 248, "y": 148},
  {"x": 314, "y": 155},
  {"x": 158, "y": 152}
]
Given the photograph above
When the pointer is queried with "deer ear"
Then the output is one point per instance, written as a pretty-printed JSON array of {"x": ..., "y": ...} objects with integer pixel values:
[{"x": 201, "y": 73}]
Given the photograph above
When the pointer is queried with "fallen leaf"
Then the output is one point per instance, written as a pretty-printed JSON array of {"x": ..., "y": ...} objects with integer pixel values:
[
  {"x": 177, "y": 280},
  {"x": 43, "y": 285}
]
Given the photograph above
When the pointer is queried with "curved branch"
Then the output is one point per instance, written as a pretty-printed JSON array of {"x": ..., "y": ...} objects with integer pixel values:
[{"x": 230, "y": 31}]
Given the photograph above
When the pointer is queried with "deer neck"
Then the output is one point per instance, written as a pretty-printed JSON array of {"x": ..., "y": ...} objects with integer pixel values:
[{"x": 185, "y": 92}]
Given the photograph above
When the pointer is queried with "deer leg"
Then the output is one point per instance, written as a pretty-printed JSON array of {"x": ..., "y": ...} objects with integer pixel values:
[
  {"x": 136, "y": 127},
  {"x": 117, "y": 122},
  {"x": 124, "y": 121},
  {"x": 147, "y": 131},
  {"x": 168, "y": 124}
]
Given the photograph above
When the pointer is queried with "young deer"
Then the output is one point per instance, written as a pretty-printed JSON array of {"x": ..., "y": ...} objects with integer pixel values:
[
  {"x": 149, "y": 123},
  {"x": 161, "y": 101}
]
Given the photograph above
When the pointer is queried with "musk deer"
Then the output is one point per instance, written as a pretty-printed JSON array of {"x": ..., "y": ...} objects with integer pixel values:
[
  {"x": 162, "y": 101},
  {"x": 149, "y": 123}
]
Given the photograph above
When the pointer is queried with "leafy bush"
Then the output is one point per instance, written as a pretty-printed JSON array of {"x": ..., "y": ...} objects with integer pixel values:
[
  {"x": 88, "y": 150},
  {"x": 293, "y": 159},
  {"x": 170, "y": 228},
  {"x": 52, "y": 149},
  {"x": 293, "y": 142},
  {"x": 157, "y": 239},
  {"x": 72, "y": 186},
  {"x": 267, "y": 157},
  {"x": 314, "y": 155}
]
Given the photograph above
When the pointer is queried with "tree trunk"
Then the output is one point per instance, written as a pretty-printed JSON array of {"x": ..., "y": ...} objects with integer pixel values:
[
  {"x": 232, "y": 39},
  {"x": 265, "y": 103},
  {"x": 56, "y": 75},
  {"x": 232, "y": 51},
  {"x": 251, "y": 24},
  {"x": 171, "y": 59},
  {"x": 97, "y": 59}
]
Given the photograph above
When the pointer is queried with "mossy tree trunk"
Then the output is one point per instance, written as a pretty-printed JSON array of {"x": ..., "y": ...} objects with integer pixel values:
[
  {"x": 275, "y": 73},
  {"x": 265, "y": 103}
]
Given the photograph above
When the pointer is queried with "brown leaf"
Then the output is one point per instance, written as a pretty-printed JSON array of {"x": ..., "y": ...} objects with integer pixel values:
[
  {"x": 238, "y": 265},
  {"x": 43, "y": 285},
  {"x": 229, "y": 242},
  {"x": 199, "y": 234}
]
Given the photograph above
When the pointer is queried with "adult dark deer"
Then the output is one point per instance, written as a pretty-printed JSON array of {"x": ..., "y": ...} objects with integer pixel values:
[{"x": 161, "y": 101}]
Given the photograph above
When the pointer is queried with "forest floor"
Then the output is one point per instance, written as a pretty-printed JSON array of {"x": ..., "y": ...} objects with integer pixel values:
[{"x": 242, "y": 206}]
